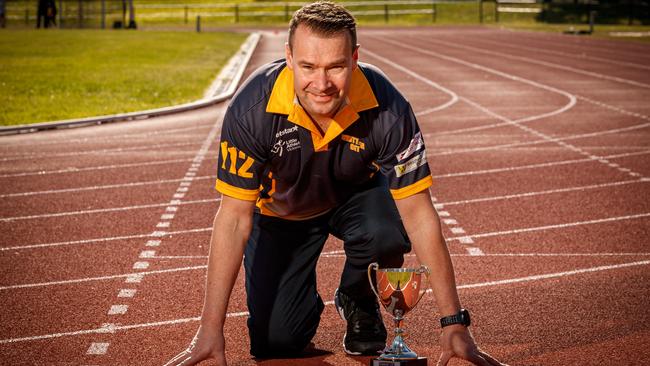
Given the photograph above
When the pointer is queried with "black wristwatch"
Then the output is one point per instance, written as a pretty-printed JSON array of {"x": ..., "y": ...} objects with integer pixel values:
[{"x": 461, "y": 318}]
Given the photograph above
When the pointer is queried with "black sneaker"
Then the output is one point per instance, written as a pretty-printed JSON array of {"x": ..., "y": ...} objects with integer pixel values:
[{"x": 366, "y": 334}]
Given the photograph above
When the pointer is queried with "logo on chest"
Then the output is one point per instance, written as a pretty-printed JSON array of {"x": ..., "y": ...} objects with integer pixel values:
[
  {"x": 355, "y": 144},
  {"x": 286, "y": 143}
]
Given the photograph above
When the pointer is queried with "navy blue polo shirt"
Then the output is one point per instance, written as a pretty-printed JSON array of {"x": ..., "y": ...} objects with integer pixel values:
[{"x": 272, "y": 152}]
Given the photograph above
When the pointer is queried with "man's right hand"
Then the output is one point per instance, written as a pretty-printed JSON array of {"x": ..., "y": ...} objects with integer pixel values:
[{"x": 205, "y": 345}]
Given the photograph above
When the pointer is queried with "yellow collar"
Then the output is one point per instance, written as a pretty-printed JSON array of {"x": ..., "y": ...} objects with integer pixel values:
[{"x": 283, "y": 101}]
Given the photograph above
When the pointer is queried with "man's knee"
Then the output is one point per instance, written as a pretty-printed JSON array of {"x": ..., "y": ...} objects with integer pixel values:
[{"x": 280, "y": 341}]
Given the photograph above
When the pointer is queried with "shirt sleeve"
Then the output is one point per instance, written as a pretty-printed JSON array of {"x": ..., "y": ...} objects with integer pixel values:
[
  {"x": 241, "y": 160},
  {"x": 403, "y": 158}
]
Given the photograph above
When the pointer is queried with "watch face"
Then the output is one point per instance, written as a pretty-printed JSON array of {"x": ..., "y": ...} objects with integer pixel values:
[{"x": 464, "y": 316}]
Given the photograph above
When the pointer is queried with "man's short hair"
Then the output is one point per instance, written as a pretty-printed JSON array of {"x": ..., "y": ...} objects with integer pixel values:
[{"x": 325, "y": 18}]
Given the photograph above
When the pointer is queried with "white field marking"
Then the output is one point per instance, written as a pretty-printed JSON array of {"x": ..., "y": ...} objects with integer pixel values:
[
  {"x": 180, "y": 257},
  {"x": 341, "y": 254},
  {"x": 466, "y": 240},
  {"x": 182, "y": 189},
  {"x": 118, "y": 309},
  {"x": 557, "y": 226},
  {"x": 167, "y": 216},
  {"x": 134, "y": 278},
  {"x": 163, "y": 224},
  {"x": 92, "y": 188},
  {"x": 457, "y": 230},
  {"x": 102, "y": 138},
  {"x": 185, "y": 184},
  {"x": 112, "y": 209},
  {"x": 547, "y": 64},
  {"x": 97, "y": 348},
  {"x": 450, "y": 102},
  {"x": 102, "y": 278},
  {"x": 450, "y": 222},
  {"x": 551, "y": 191},
  {"x": 179, "y": 195},
  {"x": 438, "y": 206},
  {"x": 147, "y": 254},
  {"x": 153, "y": 243},
  {"x": 116, "y": 328},
  {"x": 94, "y": 168},
  {"x": 574, "y": 55},
  {"x": 141, "y": 265},
  {"x": 569, "y": 96},
  {"x": 127, "y": 292},
  {"x": 443, "y": 213},
  {"x": 475, "y": 251},
  {"x": 101, "y": 240},
  {"x": 540, "y": 165},
  {"x": 190, "y": 174},
  {"x": 90, "y": 152}
]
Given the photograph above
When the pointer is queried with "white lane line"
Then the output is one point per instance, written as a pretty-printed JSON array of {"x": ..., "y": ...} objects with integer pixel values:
[
  {"x": 127, "y": 292},
  {"x": 180, "y": 257},
  {"x": 454, "y": 96},
  {"x": 97, "y": 349},
  {"x": 167, "y": 216},
  {"x": 458, "y": 230},
  {"x": 540, "y": 165},
  {"x": 153, "y": 243},
  {"x": 341, "y": 254},
  {"x": 544, "y": 63},
  {"x": 111, "y": 209},
  {"x": 102, "y": 152},
  {"x": 465, "y": 240},
  {"x": 450, "y": 222},
  {"x": 94, "y": 168},
  {"x": 141, "y": 265},
  {"x": 134, "y": 276},
  {"x": 550, "y": 191},
  {"x": 147, "y": 254},
  {"x": 118, "y": 309},
  {"x": 163, "y": 224},
  {"x": 557, "y": 226},
  {"x": 579, "y": 56},
  {"x": 116, "y": 328},
  {"x": 91, "y": 188},
  {"x": 102, "y": 240},
  {"x": 475, "y": 251}
]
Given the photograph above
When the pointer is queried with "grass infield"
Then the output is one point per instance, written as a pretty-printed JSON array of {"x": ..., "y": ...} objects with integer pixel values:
[{"x": 52, "y": 75}]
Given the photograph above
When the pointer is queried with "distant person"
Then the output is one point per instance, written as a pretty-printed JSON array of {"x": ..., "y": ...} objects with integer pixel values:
[
  {"x": 312, "y": 145},
  {"x": 46, "y": 13},
  {"x": 3, "y": 9}
]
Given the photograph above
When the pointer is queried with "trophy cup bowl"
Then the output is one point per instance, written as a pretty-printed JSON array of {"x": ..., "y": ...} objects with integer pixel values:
[{"x": 399, "y": 290}]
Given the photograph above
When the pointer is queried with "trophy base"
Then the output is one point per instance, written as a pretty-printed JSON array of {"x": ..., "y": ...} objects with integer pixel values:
[{"x": 420, "y": 361}]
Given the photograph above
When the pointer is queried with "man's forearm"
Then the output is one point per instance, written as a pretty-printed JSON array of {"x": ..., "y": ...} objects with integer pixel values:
[
  {"x": 423, "y": 227},
  {"x": 229, "y": 236}
]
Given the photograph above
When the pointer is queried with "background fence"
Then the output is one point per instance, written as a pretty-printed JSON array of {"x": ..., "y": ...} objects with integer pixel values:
[{"x": 115, "y": 13}]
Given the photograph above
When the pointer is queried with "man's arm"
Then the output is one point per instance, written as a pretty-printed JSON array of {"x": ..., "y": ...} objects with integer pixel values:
[
  {"x": 423, "y": 228},
  {"x": 231, "y": 228}
]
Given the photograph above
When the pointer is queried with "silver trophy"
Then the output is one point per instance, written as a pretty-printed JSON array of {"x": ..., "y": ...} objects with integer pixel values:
[{"x": 399, "y": 290}]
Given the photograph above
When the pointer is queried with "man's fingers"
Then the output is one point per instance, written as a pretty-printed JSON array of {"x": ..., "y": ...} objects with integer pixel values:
[
  {"x": 492, "y": 361},
  {"x": 182, "y": 359},
  {"x": 444, "y": 358}
]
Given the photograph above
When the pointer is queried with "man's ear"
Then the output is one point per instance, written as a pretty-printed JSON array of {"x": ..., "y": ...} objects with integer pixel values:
[
  {"x": 288, "y": 56},
  {"x": 355, "y": 56}
]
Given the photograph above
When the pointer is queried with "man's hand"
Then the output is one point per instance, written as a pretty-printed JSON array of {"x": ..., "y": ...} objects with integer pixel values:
[
  {"x": 457, "y": 341},
  {"x": 205, "y": 345}
]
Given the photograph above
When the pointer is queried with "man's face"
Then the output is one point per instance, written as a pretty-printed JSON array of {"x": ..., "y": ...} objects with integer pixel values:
[{"x": 322, "y": 68}]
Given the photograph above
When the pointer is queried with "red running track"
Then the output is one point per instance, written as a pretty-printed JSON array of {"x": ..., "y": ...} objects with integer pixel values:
[{"x": 540, "y": 149}]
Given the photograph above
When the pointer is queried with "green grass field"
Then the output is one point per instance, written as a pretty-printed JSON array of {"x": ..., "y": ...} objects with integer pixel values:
[{"x": 61, "y": 74}]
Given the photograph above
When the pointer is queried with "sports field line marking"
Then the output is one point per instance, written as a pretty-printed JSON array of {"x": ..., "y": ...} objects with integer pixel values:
[
  {"x": 94, "y": 168},
  {"x": 110, "y": 209},
  {"x": 341, "y": 254},
  {"x": 569, "y": 54},
  {"x": 102, "y": 151},
  {"x": 550, "y": 191},
  {"x": 100, "y": 278},
  {"x": 102, "y": 240},
  {"x": 109, "y": 186},
  {"x": 544, "y": 63},
  {"x": 539, "y": 165},
  {"x": 454, "y": 96},
  {"x": 111, "y": 328},
  {"x": 556, "y": 226}
]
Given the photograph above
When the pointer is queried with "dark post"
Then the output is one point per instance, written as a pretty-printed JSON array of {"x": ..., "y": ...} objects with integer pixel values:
[
  {"x": 198, "y": 23},
  {"x": 592, "y": 20},
  {"x": 26, "y": 16},
  {"x": 286, "y": 12},
  {"x": 60, "y": 13},
  {"x": 480, "y": 11},
  {"x": 433, "y": 16},
  {"x": 386, "y": 13},
  {"x": 103, "y": 14},
  {"x": 496, "y": 11},
  {"x": 185, "y": 14},
  {"x": 236, "y": 13},
  {"x": 80, "y": 15}
]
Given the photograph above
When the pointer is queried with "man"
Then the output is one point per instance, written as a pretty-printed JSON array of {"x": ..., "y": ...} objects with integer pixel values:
[{"x": 312, "y": 145}]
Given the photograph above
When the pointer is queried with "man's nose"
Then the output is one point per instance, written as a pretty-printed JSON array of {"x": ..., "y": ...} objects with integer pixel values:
[{"x": 321, "y": 80}]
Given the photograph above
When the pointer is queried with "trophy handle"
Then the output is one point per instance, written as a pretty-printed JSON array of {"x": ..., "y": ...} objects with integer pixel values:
[
  {"x": 423, "y": 269},
  {"x": 372, "y": 266}
]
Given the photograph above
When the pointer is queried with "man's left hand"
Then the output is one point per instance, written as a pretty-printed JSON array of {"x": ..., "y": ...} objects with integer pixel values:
[{"x": 457, "y": 341}]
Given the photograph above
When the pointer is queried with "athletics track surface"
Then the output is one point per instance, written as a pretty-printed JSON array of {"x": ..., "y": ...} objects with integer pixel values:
[{"x": 540, "y": 148}]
